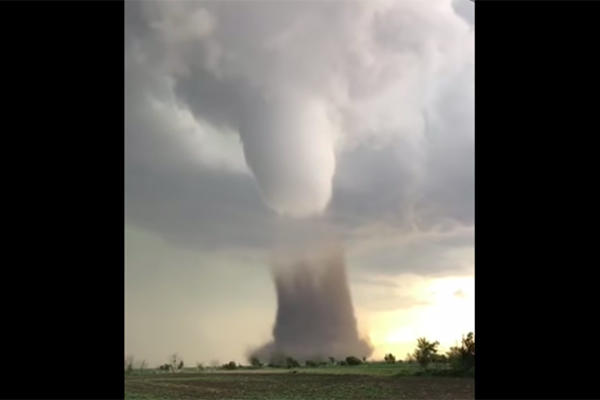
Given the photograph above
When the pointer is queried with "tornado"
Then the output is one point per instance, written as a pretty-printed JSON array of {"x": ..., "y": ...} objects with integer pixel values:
[{"x": 315, "y": 317}]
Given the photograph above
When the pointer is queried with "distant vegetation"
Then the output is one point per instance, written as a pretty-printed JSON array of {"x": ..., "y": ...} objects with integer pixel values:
[
  {"x": 425, "y": 352},
  {"x": 291, "y": 362},
  {"x": 255, "y": 362},
  {"x": 424, "y": 360},
  {"x": 128, "y": 364},
  {"x": 229, "y": 365},
  {"x": 175, "y": 362},
  {"x": 462, "y": 358},
  {"x": 351, "y": 360}
]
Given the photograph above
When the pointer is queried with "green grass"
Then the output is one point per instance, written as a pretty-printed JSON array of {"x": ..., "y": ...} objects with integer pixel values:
[
  {"x": 371, "y": 368},
  {"x": 367, "y": 381}
]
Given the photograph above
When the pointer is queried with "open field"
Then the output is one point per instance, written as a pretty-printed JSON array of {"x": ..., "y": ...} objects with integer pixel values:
[{"x": 372, "y": 381}]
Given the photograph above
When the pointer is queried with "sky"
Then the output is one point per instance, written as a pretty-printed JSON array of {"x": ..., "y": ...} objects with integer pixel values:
[{"x": 250, "y": 125}]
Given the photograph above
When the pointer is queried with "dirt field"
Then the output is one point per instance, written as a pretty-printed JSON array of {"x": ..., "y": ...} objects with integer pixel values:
[{"x": 288, "y": 386}]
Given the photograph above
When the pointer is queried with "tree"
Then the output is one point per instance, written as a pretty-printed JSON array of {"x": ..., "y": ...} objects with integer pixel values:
[
  {"x": 175, "y": 363},
  {"x": 389, "y": 358},
  {"x": 463, "y": 357},
  {"x": 129, "y": 364},
  {"x": 332, "y": 360},
  {"x": 255, "y": 362},
  {"x": 230, "y": 365},
  {"x": 425, "y": 351},
  {"x": 291, "y": 362},
  {"x": 165, "y": 367},
  {"x": 440, "y": 358},
  {"x": 351, "y": 360},
  {"x": 200, "y": 366}
]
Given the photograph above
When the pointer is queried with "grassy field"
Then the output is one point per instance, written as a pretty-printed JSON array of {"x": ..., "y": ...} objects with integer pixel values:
[{"x": 370, "y": 381}]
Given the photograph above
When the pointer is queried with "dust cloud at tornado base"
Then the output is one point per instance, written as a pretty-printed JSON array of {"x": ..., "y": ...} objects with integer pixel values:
[{"x": 315, "y": 317}]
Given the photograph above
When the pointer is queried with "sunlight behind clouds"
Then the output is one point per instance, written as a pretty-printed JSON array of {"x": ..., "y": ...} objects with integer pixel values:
[{"x": 442, "y": 309}]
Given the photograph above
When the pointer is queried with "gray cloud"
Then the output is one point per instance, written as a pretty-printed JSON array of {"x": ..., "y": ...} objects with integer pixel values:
[
  {"x": 215, "y": 87},
  {"x": 466, "y": 9}
]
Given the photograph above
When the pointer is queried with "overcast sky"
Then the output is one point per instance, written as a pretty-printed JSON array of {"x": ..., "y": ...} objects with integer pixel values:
[{"x": 250, "y": 124}]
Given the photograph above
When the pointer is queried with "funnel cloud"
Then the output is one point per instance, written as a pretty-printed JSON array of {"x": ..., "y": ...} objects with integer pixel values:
[
  {"x": 253, "y": 125},
  {"x": 290, "y": 152},
  {"x": 315, "y": 317}
]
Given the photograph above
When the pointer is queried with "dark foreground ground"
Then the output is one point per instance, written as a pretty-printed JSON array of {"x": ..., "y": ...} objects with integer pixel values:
[{"x": 288, "y": 386}]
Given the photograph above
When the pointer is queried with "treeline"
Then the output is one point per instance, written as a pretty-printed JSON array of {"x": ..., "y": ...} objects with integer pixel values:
[{"x": 459, "y": 360}]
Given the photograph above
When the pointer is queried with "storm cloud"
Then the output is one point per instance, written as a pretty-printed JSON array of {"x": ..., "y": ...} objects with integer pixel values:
[
  {"x": 361, "y": 111},
  {"x": 356, "y": 116}
]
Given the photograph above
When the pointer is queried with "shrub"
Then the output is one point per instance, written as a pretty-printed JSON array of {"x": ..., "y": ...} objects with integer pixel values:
[
  {"x": 175, "y": 363},
  {"x": 165, "y": 367},
  {"x": 441, "y": 358},
  {"x": 291, "y": 363},
  {"x": 255, "y": 362},
  {"x": 230, "y": 365},
  {"x": 425, "y": 352},
  {"x": 462, "y": 358},
  {"x": 351, "y": 360},
  {"x": 389, "y": 358},
  {"x": 342, "y": 362},
  {"x": 129, "y": 364},
  {"x": 311, "y": 363}
]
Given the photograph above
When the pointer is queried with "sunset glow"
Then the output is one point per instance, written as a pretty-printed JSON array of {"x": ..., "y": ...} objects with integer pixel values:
[{"x": 444, "y": 311}]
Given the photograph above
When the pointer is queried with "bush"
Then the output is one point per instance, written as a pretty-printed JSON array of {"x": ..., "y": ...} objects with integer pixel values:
[
  {"x": 462, "y": 358},
  {"x": 229, "y": 365},
  {"x": 351, "y": 360},
  {"x": 311, "y": 363},
  {"x": 291, "y": 363},
  {"x": 389, "y": 358},
  {"x": 255, "y": 362},
  {"x": 440, "y": 358},
  {"x": 425, "y": 352},
  {"x": 175, "y": 362},
  {"x": 342, "y": 362},
  {"x": 165, "y": 367},
  {"x": 129, "y": 364}
]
